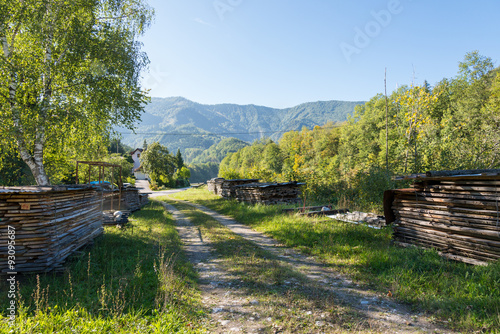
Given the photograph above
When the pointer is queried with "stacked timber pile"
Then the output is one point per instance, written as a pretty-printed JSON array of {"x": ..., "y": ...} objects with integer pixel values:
[
  {"x": 128, "y": 199},
  {"x": 456, "y": 212},
  {"x": 132, "y": 199},
  {"x": 228, "y": 187},
  {"x": 269, "y": 193},
  {"x": 214, "y": 185},
  {"x": 48, "y": 224},
  {"x": 143, "y": 199}
]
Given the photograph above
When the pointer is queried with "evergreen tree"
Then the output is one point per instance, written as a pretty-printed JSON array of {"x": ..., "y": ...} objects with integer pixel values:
[
  {"x": 116, "y": 147},
  {"x": 145, "y": 145},
  {"x": 179, "y": 160}
]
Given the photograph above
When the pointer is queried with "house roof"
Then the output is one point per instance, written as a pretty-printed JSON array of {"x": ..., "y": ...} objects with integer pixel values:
[{"x": 137, "y": 149}]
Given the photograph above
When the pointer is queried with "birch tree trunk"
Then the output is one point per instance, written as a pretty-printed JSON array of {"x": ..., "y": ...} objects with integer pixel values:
[{"x": 69, "y": 72}]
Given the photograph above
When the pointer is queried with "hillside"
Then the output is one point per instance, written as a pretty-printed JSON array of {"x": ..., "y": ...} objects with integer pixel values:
[
  {"x": 180, "y": 123},
  {"x": 216, "y": 152}
]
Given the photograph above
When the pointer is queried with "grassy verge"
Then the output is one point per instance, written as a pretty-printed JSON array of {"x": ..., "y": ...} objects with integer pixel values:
[
  {"x": 295, "y": 304},
  {"x": 464, "y": 297},
  {"x": 132, "y": 280}
]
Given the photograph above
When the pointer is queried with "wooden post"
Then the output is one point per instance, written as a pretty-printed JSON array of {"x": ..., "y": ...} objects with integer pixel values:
[
  {"x": 386, "y": 124},
  {"x": 77, "y": 172},
  {"x": 120, "y": 186},
  {"x": 112, "y": 187}
]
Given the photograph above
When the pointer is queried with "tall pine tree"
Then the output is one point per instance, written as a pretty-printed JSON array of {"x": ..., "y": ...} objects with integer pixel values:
[{"x": 178, "y": 159}]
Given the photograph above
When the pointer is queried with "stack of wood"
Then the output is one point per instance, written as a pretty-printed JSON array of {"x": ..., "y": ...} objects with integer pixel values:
[
  {"x": 269, "y": 193},
  {"x": 214, "y": 185},
  {"x": 49, "y": 224},
  {"x": 132, "y": 199},
  {"x": 456, "y": 212},
  {"x": 228, "y": 187},
  {"x": 128, "y": 199},
  {"x": 143, "y": 199}
]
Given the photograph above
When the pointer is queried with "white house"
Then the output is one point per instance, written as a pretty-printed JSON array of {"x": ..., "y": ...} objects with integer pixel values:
[{"x": 136, "y": 154}]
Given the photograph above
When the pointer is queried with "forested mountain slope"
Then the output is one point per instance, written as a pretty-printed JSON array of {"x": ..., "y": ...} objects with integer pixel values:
[{"x": 180, "y": 123}]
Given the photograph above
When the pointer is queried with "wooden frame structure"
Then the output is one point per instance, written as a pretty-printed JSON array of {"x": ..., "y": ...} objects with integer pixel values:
[{"x": 102, "y": 165}]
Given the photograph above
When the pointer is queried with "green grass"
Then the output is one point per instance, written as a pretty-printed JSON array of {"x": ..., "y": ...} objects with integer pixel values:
[
  {"x": 462, "y": 296},
  {"x": 132, "y": 280}
]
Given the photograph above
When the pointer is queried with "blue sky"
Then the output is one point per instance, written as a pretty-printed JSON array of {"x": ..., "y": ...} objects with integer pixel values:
[{"x": 281, "y": 53}]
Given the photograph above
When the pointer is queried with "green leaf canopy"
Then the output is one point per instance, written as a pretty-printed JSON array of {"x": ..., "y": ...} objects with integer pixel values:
[{"x": 69, "y": 70}]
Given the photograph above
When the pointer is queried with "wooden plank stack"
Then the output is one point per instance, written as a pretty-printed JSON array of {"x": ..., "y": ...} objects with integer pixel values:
[
  {"x": 225, "y": 188},
  {"x": 269, "y": 193},
  {"x": 214, "y": 185},
  {"x": 252, "y": 191},
  {"x": 456, "y": 214},
  {"x": 50, "y": 223},
  {"x": 228, "y": 187},
  {"x": 129, "y": 199}
]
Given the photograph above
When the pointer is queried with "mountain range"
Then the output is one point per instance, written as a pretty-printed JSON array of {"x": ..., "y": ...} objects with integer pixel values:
[{"x": 179, "y": 123}]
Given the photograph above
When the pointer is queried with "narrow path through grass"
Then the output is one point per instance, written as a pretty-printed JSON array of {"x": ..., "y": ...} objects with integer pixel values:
[
  {"x": 281, "y": 298},
  {"x": 457, "y": 295}
]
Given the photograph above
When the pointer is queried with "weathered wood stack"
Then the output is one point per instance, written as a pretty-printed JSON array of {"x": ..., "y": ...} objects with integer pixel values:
[
  {"x": 456, "y": 212},
  {"x": 228, "y": 187},
  {"x": 143, "y": 199},
  {"x": 133, "y": 200},
  {"x": 129, "y": 199},
  {"x": 50, "y": 223},
  {"x": 214, "y": 185},
  {"x": 252, "y": 191},
  {"x": 269, "y": 193}
]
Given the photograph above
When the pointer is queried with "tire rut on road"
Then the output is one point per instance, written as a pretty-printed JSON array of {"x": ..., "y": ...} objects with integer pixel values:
[
  {"x": 383, "y": 314},
  {"x": 232, "y": 310}
]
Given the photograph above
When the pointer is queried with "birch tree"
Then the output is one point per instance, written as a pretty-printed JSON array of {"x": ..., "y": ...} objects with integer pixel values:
[
  {"x": 69, "y": 71},
  {"x": 415, "y": 104}
]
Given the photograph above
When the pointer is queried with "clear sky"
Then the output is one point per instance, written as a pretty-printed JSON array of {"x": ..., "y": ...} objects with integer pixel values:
[{"x": 280, "y": 53}]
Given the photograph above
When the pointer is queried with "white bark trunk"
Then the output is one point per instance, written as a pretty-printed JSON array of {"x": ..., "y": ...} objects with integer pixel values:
[
  {"x": 35, "y": 165},
  {"x": 35, "y": 160}
]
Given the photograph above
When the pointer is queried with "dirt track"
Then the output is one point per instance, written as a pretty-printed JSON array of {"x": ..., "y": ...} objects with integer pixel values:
[{"x": 234, "y": 308}]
